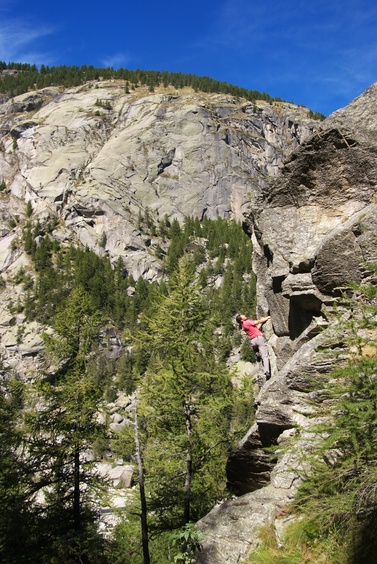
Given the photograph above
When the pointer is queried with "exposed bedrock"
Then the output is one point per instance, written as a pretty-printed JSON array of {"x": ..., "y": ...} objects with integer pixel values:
[
  {"x": 171, "y": 153},
  {"x": 314, "y": 229}
]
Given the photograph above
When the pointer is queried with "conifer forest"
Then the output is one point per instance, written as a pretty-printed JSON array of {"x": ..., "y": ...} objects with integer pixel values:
[{"x": 186, "y": 413}]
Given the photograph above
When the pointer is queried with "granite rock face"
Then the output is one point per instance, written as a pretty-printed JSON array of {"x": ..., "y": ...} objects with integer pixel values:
[
  {"x": 324, "y": 203},
  {"x": 96, "y": 158},
  {"x": 314, "y": 230}
]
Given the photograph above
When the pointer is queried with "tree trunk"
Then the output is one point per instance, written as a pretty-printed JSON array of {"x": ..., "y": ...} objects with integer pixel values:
[
  {"x": 188, "y": 479},
  {"x": 144, "y": 520},
  {"x": 76, "y": 491}
]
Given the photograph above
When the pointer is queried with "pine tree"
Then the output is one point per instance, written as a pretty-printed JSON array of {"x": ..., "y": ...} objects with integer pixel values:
[
  {"x": 339, "y": 498},
  {"x": 16, "y": 517},
  {"x": 185, "y": 403},
  {"x": 63, "y": 428}
]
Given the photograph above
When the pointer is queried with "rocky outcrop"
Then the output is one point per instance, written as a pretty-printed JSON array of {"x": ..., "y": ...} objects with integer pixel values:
[
  {"x": 314, "y": 230},
  {"x": 324, "y": 204},
  {"x": 264, "y": 480}
]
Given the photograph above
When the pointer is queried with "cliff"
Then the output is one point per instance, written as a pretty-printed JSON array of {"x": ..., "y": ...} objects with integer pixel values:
[
  {"x": 313, "y": 229},
  {"x": 96, "y": 157},
  {"x": 91, "y": 160}
]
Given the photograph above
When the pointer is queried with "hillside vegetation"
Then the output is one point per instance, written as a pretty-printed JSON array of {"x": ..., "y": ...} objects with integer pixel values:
[
  {"x": 28, "y": 77},
  {"x": 177, "y": 335}
]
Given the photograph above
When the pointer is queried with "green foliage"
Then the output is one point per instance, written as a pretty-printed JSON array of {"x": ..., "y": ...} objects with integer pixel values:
[
  {"x": 186, "y": 403},
  {"x": 76, "y": 327},
  {"x": 247, "y": 352},
  {"x": 106, "y": 104},
  {"x": 16, "y": 518},
  {"x": 13, "y": 223},
  {"x": 126, "y": 544},
  {"x": 61, "y": 432},
  {"x": 243, "y": 406},
  {"x": 60, "y": 269},
  {"x": 176, "y": 356},
  {"x": 103, "y": 240},
  {"x": 188, "y": 541},
  {"x": 316, "y": 115},
  {"x": 129, "y": 367},
  {"x": 29, "y": 209},
  {"x": 20, "y": 276},
  {"x": 28, "y": 77},
  {"x": 226, "y": 251},
  {"x": 297, "y": 548}
]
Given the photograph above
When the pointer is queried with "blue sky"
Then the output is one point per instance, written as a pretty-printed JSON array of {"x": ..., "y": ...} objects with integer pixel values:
[{"x": 319, "y": 53}]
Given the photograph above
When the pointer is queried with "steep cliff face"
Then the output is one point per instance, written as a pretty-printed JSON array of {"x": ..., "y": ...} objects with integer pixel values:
[
  {"x": 96, "y": 157},
  {"x": 314, "y": 229},
  {"x": 324, "y": 204}
]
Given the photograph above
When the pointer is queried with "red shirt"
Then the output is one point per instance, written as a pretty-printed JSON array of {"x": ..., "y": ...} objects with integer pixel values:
[{"x": 251, "y": 329}]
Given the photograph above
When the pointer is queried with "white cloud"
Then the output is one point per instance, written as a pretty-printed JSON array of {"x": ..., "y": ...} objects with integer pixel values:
[
  {"x": 17, "y": 39},
  {"x": 117, "y": 60}
]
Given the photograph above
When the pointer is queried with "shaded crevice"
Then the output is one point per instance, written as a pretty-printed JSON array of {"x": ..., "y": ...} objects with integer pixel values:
[
  {"x": 269, "y": 433},
  {"x": 299, "y": 318},
  {"x": 277, "y": 282},
  {"x": 166, "y": 161},
  {"x": 268, "y": 254},
  {"x": 249, "y": 466}
]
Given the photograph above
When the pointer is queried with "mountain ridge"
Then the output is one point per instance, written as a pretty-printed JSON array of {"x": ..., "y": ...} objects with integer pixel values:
[{"x": 19, "y": 78}]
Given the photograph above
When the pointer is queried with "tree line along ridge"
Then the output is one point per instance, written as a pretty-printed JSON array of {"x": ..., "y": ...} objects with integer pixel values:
[{"x": 18, "y": 78}]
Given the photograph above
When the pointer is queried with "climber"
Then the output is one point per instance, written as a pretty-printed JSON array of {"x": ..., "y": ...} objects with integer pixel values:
[{"x": 252, "y": 329}]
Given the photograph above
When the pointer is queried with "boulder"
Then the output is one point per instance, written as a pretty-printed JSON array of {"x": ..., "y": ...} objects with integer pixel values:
[{"x": 120, "y": 475}]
